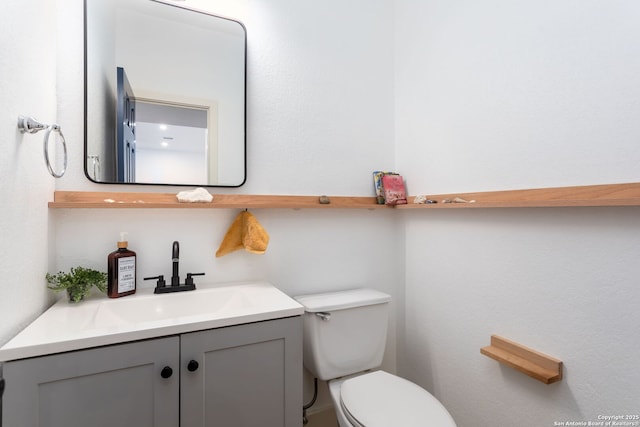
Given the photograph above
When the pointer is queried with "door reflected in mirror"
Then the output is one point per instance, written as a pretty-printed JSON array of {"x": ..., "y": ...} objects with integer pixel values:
[
  {"x": 164, "y": 95},
  {"x": 173, "y": 144}
]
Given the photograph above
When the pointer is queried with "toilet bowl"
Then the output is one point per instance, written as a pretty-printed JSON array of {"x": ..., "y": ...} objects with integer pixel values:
[
  {"x": 343, "y": 343},
  {"x": 380, "y": 399}
]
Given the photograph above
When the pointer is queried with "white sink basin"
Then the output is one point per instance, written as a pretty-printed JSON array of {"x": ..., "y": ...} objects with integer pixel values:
[
  {"x": 103, "y": 321},
  {"x": 208, "y": 302}
]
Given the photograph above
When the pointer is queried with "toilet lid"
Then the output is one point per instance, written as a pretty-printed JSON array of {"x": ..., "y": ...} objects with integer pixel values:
[{"x": 380, "y": 399}]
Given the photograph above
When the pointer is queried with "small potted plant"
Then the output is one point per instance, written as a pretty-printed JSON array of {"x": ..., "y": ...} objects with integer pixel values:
[{"x": 78, "y": 282}]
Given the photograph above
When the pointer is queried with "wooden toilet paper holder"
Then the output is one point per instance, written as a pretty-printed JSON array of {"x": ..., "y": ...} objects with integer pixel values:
[{"x": 526, "y": 360}]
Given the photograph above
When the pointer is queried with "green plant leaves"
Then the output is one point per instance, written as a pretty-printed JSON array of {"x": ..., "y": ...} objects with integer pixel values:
[{"x": 77, "y": 282}]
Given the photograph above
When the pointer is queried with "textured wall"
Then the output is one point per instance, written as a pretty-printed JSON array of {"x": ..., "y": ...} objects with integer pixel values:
[
  {"x": 499, "y": 95},
  {"x": 27, "y": 87},
  {"x": 480, "y": 96},
  {"x": 319, "y": 95},
  {"x": 562, "y": 281},
  {"x": 320, "y": 109}
]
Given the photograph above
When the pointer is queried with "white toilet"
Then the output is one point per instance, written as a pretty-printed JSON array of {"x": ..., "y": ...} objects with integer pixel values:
[{"x": 344, "y": 339}]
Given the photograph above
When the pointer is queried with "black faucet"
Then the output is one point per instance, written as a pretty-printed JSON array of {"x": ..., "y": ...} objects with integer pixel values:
[
  {"x": 161, "y": 285},
  {"x": 175, "y": 257}
]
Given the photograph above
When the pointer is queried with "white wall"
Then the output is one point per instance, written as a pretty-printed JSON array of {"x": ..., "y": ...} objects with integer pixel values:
[
  {"x": 476, "y": 86},
  {"x": 496, "y": 94},
  {"x": 320, "y": 108},
  {"x": 171, "y": 165},
  {"x": 499, "y": 95},
  {"x": 320, "y": 102},
  {"x": 27, "y": 87}
]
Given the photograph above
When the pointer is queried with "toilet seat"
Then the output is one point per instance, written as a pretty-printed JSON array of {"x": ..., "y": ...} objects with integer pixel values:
[{"x": 380, "y": 399}]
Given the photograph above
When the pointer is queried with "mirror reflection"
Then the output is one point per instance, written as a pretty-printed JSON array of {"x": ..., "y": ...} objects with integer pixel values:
[{"x": 164, "y": 95}]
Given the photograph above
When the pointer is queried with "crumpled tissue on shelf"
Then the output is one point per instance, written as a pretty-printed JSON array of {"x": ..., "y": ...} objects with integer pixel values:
[
  {"x": 199, "y": 195},
  {"x": 245, "y": 232}
]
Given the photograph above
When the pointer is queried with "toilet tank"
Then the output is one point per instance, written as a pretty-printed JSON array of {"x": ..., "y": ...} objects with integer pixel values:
[{"x": 345, "y": 332}]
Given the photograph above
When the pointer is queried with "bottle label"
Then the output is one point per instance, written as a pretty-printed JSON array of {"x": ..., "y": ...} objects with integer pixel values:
[{"x": 126, "y": 274}]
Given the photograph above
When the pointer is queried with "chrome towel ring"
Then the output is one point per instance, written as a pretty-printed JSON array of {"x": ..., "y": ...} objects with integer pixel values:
[{"x": 31, "y": 125}]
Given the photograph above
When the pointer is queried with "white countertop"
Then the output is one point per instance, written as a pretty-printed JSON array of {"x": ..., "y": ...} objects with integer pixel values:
[{"x": 102, "y": 321}]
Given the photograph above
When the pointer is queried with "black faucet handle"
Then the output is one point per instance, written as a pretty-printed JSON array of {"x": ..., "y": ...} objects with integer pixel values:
[
  {"x": 175, "y": 251},
  {"x": 161, "y": 283},
  {"x": 189, "y": 280}
]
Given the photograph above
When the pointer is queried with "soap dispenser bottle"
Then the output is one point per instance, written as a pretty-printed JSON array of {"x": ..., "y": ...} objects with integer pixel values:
[{"x": 121, "y": 270}]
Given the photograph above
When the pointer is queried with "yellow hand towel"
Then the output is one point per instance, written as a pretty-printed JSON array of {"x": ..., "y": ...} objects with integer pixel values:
[
  {"x": 245, "y": 232},
  {"x": 232, "y": 241},
  {"x": 254, "y": 238}
]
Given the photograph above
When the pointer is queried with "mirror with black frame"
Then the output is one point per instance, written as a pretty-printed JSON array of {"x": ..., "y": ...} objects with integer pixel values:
[{"x": 165, "y": 95}]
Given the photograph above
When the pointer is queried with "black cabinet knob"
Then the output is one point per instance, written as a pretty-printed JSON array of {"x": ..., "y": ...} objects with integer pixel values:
[
  {"x": 192, "y": 366},
  {"x": 166, "y": 372}
]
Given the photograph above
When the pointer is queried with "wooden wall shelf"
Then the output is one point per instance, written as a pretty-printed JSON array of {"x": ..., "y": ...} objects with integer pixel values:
[
  {"x": 528, "y": 361},
  {"x": 117, "y": 200},
  {"x": 589, "y": 195}
]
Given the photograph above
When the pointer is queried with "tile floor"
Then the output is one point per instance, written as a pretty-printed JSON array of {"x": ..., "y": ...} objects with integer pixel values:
[{"x": 324, "y": 418}]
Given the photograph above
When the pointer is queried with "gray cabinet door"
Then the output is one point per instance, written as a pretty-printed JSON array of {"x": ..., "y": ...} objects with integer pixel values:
[
  {"x": 247, "y": 375},
  {"x": 119, "y": 385}
]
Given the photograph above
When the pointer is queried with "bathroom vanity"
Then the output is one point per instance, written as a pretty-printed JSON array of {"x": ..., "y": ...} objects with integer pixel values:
[{"x": 228, "y": 356}]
